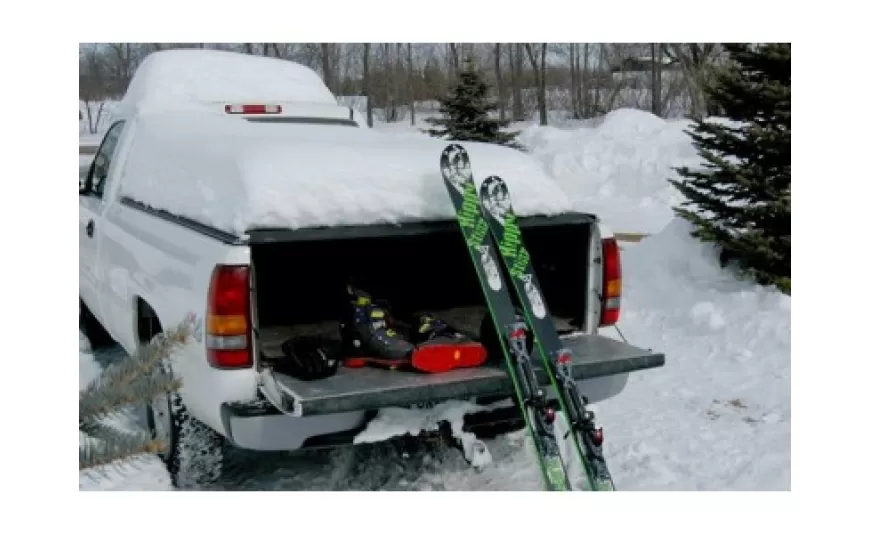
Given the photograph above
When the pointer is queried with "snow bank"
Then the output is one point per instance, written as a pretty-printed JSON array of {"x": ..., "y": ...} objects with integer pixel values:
[
  {"x": 618, "y": 169},
  {"x": 718, "y": 415},
  {"x": 236, "y": 175},
  {"x": 184, "y": 79}
]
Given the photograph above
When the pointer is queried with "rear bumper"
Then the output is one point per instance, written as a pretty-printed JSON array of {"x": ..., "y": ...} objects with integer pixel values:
[{"x": 261, "y": 426}]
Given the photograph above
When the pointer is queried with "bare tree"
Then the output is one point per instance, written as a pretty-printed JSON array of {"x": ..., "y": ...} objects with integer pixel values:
[
  {"x": 596, "y": 103},
  {"x": 540, "y": 73},
  {"x": 656, "y": 79},
  {"x": 575, "y": 92},
  {"x": 516, "y": 54},
  {"x": 454, "y": 59},
  {"x": 122, "y": 62},
  {"x": 694, "y": 60},
  {"x": 389, "y": 70},
  {"x": 92, "y": 85},
  {"x": 410, "y": 83},
  {"x": 583, "y": 99},
  {"x": 499, "y": 83},
  {"x": 367, "y": 84},
  {"x": 326, "y": 64}
]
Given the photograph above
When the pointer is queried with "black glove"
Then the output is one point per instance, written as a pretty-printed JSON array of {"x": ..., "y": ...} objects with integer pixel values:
[{"x": 309, "y": 358}]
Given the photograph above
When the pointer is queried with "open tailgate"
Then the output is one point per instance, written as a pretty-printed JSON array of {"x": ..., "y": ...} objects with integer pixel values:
[{"x": 367, "y": 388}]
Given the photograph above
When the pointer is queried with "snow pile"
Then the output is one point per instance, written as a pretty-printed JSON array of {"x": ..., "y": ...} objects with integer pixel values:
[
  {"x": 718, "y": 415},
  {"x": 185, "y": 79},
  {"x": 618, "y": 170},
  {"x": 393, "y": 422},
  {"x": 236, "y": 175}
]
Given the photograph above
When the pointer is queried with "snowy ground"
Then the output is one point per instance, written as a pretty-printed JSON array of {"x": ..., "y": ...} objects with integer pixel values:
[{"x": 717, "y": 416}]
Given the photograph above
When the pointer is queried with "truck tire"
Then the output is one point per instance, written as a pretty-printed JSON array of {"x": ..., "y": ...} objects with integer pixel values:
[
  {"x": 194, "y": 453},
  {"x": 92, "y": 329}
]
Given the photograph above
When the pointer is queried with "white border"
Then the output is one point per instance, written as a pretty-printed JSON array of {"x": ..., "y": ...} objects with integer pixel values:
[{"x": 40, "y": 252}]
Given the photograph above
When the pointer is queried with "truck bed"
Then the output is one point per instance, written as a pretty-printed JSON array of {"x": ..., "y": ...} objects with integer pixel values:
[{"x": 367, "y": 388}]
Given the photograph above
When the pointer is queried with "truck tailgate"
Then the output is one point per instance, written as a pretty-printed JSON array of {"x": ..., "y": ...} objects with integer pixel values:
[{"x": 365, "y": 389}]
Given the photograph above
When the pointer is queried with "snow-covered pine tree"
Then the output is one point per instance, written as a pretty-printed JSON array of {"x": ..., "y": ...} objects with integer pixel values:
[
  {"x": 129, "y": 382},
  {"x": 466, "y": 112},
  {"x": 741, "y": 198}
]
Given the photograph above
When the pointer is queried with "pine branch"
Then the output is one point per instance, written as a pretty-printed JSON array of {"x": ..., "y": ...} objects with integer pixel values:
[
  {"x": 95, "y": 453},
  {"x": 131, "y": 381},
  {"x": 107, "y": 398}
]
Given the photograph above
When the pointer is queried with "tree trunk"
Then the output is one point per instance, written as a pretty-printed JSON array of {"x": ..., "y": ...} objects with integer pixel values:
[
  {"x": 249, "y": 48},
  {"x": 325, "y": 62},
  {"x": 572, "y": 59},
  {"x": 390, "y": 72},
  {"x": 410, "y": 84},
  {"x": 542, "y": 88},
  {"x": 540, "y": 74},
  {"x": 499, "y": 84},
  {"x": 597, "y": 98},
  {"x": 583, "y": 98},
  {"x": 656, "y": 75},
  {"x": 454, "y": 56},
  {"x": 516, "y": 82},
  {"x": 367, "y": 84}
]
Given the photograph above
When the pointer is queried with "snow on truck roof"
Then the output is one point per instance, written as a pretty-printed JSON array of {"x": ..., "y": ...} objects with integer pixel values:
[
  {"x": 185, "y": 79},
  {"x": 192, "y": 159},
  {"x": 237, "y": 176}
]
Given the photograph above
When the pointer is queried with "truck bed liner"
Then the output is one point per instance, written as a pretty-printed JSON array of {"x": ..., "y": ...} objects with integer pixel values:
[{"x": 364, "y": 389}]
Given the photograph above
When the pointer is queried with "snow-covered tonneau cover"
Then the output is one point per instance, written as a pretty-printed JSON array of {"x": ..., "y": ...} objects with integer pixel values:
[{"x": 235, "y": 176}]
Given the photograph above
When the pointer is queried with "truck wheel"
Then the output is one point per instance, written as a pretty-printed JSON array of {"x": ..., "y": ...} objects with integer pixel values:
[
  {"x": 92, "y": 329},
  {"x": 193, "y": 453}
]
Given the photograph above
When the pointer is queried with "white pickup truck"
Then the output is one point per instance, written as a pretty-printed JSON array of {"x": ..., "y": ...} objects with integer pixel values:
[{"x": 237, "y": 189}]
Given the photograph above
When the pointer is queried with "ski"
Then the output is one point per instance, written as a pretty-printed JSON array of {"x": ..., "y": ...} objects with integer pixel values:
[
  {"x": 497, "y": 208},
  {"x": 532, "y": 400}
]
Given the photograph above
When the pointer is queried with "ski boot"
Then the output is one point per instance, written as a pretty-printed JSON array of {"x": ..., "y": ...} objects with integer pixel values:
[
  {"x": 369, "y": 336},
  {"x": 441, "y": 348}
]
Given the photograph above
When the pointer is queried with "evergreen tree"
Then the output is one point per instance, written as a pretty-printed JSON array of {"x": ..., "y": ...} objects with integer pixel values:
[
  {"x": 132, "y": 381},
  {"x": 741, "y": 198},
  {"x": 466, "y": 112}
]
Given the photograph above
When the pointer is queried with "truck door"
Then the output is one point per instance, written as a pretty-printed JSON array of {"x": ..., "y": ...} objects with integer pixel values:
[{"x": 90, "y": 211}]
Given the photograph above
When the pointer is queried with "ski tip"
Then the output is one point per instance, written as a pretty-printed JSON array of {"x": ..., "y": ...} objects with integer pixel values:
[
  {"x": 452, "y": 154},
  {"x": 493, "y": 180},
  {"x": 455, "y": 166},
  {"x": 495, "y": 196}
]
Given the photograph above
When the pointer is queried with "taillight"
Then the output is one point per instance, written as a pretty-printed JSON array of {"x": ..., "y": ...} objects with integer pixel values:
[
  {"x": 612, "y": 286},
  {"x": 228, "y": 320},
  {"x": 252, "y": 109}
]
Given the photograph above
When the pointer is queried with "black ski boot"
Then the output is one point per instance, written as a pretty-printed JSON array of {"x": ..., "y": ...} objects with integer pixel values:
[
  {"x": 369, "y": 336},
  {"x": 442, "y": 348}
]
